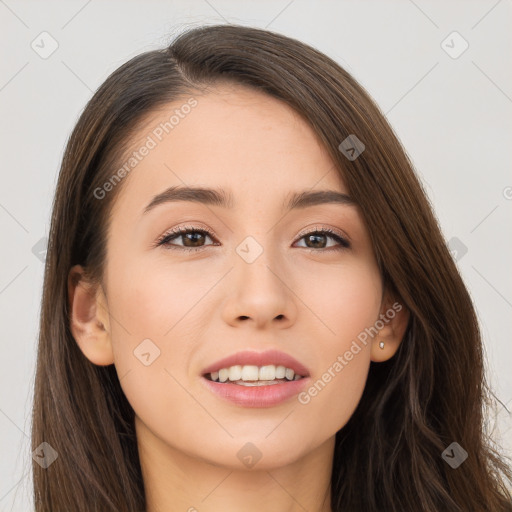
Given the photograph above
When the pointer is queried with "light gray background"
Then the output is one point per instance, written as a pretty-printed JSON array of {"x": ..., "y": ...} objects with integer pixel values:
[{"x": 453, "y": 116}]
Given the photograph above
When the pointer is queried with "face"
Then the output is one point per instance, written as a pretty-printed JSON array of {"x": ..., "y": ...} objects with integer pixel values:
[{"x": 257, "y": 277}]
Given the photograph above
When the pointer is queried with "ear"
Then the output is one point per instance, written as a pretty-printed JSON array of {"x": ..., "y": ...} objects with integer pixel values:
[
  {"x": 394, "y": 317},
  {"x": 89, "y": 318}
]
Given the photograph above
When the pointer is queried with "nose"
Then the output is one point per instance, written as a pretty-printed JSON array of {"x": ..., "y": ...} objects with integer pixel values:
[{"x": 261, "y": 294}]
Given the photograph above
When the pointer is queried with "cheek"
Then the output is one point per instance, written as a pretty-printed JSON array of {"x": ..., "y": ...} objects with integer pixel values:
[
  {"x": 155, "y": 296},
  {"x": 150, "y": 344},
  {"x": 142, "y": 311},
  {"x": 348, "y": 303},
  {"x": 344, "y": 298},
  {"x": 154, "y": 322},
  {"x": 335, "y": 392}
]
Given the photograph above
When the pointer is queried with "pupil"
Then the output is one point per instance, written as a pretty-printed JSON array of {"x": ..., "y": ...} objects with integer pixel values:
[
  {"x": 200, "y": 235},
  {"x": 316, "y": 237}
]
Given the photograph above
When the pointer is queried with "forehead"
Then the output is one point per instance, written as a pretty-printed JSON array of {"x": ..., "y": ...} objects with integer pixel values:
[{"x": 233, "y": 138}]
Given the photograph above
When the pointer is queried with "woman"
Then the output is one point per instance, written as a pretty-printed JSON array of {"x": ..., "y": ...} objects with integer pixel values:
[{"x": 248, "y": 303}]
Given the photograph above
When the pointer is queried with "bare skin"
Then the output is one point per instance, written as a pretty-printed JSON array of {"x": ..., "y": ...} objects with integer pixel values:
[{"x": 307, "y": 300}]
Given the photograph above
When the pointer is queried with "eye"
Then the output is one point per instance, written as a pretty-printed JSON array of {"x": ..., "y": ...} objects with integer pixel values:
[
  {"x": 188, "y": 235},
  {"x": 318, "y": 237},
  {"x": 193, "y": 238}
]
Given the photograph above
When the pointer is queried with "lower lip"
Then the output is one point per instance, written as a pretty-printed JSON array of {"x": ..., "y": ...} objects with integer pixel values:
[{"x": 256, "y": 396}]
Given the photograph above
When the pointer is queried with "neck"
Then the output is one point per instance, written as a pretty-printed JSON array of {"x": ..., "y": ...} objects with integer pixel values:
[{"x": 177, "y": 481}]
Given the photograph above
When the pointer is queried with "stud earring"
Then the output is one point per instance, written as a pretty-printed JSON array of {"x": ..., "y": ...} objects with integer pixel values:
[{"x": 381, "y": 344}]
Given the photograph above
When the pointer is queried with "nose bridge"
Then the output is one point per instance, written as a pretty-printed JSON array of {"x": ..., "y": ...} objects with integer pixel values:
[
  {"x": 259, "y": 284},
  {"x": 257, "y": 264}
]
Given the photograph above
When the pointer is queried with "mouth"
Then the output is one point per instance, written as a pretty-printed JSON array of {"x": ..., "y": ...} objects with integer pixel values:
[
  {"x": 271, "y": 366},
  {"x": 256, "y": 379},
  {"x": 252, "y": 375}
]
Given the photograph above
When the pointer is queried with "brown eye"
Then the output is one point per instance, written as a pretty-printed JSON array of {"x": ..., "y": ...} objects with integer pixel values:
[
  {"x": 193, "y": 239},
  {"x": 317, "y": 240}
]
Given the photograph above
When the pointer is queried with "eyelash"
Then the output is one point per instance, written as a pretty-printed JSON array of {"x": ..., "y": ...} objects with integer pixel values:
[{"x": 175, "y": 233}]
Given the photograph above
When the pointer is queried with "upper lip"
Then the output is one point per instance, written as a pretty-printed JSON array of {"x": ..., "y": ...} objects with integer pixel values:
[{"x": 248, "y": 357}]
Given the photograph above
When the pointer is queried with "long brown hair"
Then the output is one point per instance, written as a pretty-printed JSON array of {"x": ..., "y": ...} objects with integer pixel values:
[{"x": 431, "y": 393}]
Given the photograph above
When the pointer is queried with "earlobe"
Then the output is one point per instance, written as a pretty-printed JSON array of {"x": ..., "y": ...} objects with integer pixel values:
[
  {"x": 386, "y": 343},
  {"x": 89, "y": 321}
]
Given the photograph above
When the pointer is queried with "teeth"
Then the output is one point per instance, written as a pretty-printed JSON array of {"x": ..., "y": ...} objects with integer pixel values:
[
  {"x": 223, "y": 374},
  {"x": 254, "y": 375},
  {"x": 280, "y": 372},
  {"x": 250, "y": 373},
  {"x": 235, "y": 373},
  {"x": 267, "y": 372}
]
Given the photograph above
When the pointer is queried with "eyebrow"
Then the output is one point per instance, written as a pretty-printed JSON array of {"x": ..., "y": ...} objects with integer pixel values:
[{"x": 219, "y": 197}]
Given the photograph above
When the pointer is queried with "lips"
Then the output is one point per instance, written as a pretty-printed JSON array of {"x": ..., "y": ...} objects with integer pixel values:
[{"x": 269, "y": 357}]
